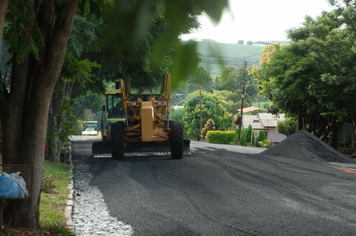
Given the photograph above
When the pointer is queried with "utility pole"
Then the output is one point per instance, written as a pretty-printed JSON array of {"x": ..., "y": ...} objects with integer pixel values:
[
  {"x": 201, "y": 115},
  {"x": 232, "y": 122},
  {"x": 242, "y": 103}
]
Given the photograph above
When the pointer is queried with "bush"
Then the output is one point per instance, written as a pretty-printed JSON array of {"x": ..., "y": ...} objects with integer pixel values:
[
  {"x": 287, "y": 127},
  {"x": 266, "y": 144},
  {"x": 209, "y": 126},
  {"x": 261, "y": 136},
  {"x": 220, "y": 137},
  {"x": 47, "y": 183},
  {"x": 246, "y": 136}
]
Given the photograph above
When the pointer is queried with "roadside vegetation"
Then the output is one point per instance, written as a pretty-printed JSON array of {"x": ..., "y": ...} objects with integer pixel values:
[{"x": 54, "y": 194}]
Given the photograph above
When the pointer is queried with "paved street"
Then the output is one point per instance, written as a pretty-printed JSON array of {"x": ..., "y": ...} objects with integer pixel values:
[{"x": 215, "y": 191}]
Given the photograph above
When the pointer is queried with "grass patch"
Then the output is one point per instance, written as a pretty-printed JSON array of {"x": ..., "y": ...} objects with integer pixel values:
[
  {"x": 54, "y": 200},
  {"x": 53, "y": 203}
]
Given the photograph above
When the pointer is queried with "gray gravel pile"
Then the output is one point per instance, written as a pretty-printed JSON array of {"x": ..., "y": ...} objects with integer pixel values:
[
  {"x": 304, "y": 145},
  {"x": 90, "y": 214}
]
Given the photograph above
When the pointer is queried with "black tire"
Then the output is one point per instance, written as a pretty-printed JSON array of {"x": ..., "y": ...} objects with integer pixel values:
[
  {"x": 177, "y": 143},
  {"x": 117, "y": 141}
]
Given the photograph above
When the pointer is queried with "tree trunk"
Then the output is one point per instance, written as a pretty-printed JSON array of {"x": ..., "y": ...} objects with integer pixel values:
[
  {"x": 53, "y": 139},
  {"x": 333, "y": 136},
  {"x": 334, "y": 129},
  {"x": 300, "y": 120},
  {"x": 3, "y": 7},
  {"x": 12, "y": 113},
  {"x": 30, "y": 124},
  {"x": 57, "y": 117}
]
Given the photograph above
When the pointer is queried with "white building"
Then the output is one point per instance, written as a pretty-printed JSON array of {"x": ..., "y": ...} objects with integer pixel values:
[{"x": 266, "y": 122}]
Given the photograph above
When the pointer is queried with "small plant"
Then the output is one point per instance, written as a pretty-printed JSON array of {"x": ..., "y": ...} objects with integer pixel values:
[
  {"x": 209, "y": 125},
  {"x": 47, "y": 183},
  {"x": 266, "y": 144},
  {"x": 261, "y": 136}
]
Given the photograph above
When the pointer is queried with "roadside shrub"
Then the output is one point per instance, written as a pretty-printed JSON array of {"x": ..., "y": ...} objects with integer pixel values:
[
  {"x": 246, "y": 136},
  {"x": 220, "y": 137},
  {"x": 209, "y": 126},
  {"x": 261, "y": 136},
  {"x": 287, "y": 127},
  {"x": 47, "y": 183},
  {"x": 266, "y": 144}
]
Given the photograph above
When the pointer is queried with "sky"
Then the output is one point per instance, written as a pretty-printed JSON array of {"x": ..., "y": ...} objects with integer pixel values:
[{"x": 258, "y": 20}]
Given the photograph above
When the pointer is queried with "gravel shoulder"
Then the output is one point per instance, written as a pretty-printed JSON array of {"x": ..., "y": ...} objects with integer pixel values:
[{"x": 90, "y": 214}]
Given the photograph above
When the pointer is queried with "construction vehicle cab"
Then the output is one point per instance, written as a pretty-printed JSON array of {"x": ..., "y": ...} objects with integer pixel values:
[{"x": 136, "y": 117}]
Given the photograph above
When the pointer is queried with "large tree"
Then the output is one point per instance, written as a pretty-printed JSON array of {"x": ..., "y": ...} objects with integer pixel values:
[
  {"x": 37, "y": 40},
  {"x": 314, "y": 78}
]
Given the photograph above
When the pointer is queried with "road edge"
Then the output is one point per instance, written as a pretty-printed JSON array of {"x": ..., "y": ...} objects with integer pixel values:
[{"x": 69, "y": 208}]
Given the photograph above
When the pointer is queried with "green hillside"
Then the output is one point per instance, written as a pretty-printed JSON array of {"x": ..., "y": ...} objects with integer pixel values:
[{"x": 231, "y": 54}]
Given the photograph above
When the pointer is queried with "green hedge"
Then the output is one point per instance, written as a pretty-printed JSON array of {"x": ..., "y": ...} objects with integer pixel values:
[{"x": 220, "y": 137}]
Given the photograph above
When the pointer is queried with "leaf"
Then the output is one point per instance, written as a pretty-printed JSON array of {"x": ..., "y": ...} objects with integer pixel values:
[{"x": 185, "y": 63}]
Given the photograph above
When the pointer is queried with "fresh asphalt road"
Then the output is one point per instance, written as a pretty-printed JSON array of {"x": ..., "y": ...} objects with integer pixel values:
[{"x": 214, "y": 191}]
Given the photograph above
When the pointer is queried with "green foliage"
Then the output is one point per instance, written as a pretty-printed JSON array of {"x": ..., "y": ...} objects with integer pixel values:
[
  {"x": 134, "y": 23},
  {"x": 240, "y": 41},
  {"x": 220, "y": 137},
  {"x": 193, "y": 81},
  {"x": 23, "y": 37},
  {"x": 67, "y": 125},
  {"x": 313, "y": 78},
  {"x": 211, "y": 109},
  {"x": 85, "y": 36},
  {"x": 86, "y": 107},
  {"x": 246, "y": 136},
  {"x": 265, "y": 143},
  {"x": 78, "y": 70},
  {"x": 287, "y": 127},
  {"x": 48, "y": 183},
  {"x": 184, "y": 59},
  {"x": 177, "y": 115},
  {"x": 231, "y": 101},
  {"x": 231, "y": 79},
  {"x": 54, "y": 199},
  {"x": 261, "y": 136},
  {"x": 209, "y": 126}
]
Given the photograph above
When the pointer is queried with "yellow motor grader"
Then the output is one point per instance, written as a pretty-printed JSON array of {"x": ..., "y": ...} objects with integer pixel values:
[{"x": 135, "y": 119}]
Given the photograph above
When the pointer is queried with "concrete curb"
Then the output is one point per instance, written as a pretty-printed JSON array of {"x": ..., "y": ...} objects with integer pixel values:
[{"x": 69, "y": 208}]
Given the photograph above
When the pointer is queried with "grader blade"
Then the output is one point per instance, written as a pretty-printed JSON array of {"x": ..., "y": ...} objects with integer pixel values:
[{"x": 103, "y": 149}]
